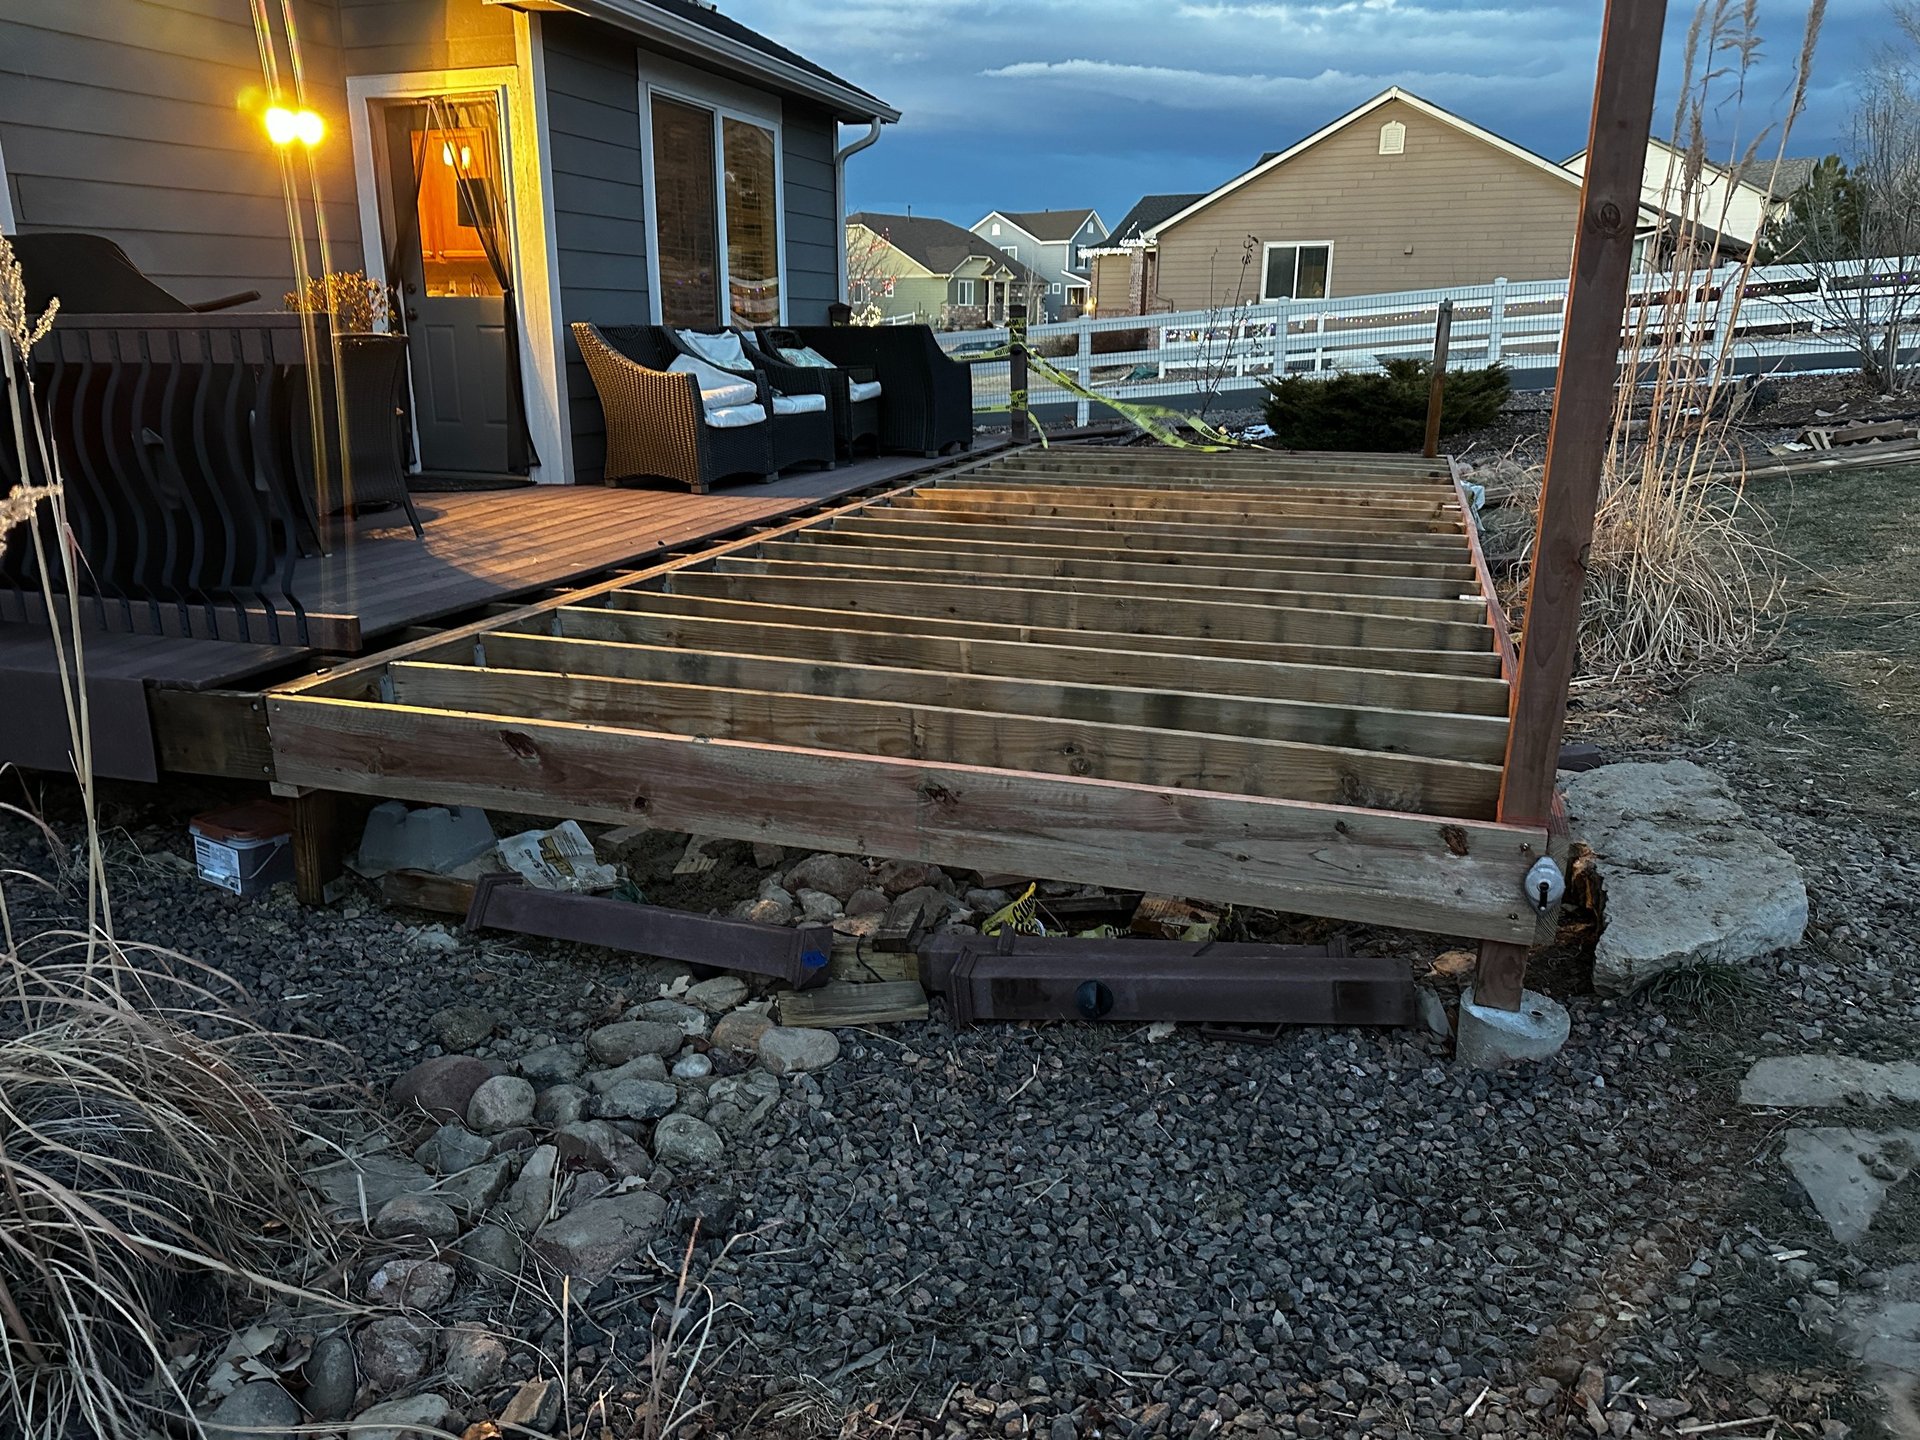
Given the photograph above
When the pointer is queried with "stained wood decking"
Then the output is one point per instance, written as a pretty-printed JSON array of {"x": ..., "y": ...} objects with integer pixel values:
[{"x": 1271, "y": 680}]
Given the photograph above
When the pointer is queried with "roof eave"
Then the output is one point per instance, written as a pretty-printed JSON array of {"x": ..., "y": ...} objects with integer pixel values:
[{"x": 640, "y": 18}]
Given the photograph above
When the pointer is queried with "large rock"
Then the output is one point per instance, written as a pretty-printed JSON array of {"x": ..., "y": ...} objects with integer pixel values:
[
  {"x": 409, "y": 1419},
  {"x": 561, "y": 1105},
  {"x": 618, "y": 1043},
  {"x": 718, "y": 995},
  {"x": 394, "y": 1351},
  {"x": 501, "y": 1103},
  {"x": 416, "y": 1217},
  {"x": 1688, "y": 879},
  {"x": 683, "y": 1141},
  {"x": 922, "y": 905},
  {"x": 641, "y": 1067},
  {"x": 787, "y": 1050},
  {"x": 490, "y": 1253},
  {"x": 451, "y": 1149},
  {"x": 551, "y": 1065},
  {"x": 443, "y": 1086},
  {"x": 475, "y": 1358},
  {"x": 461, "y": 1027},
  {"x": 636, "y": 1100},
  {"x": 531, "y": 1198},
  {"x": 591, "y": 1241},
  {"x": 739, "y": 1032},
  {"x": 332, "y": 1378},
  {"x": 376, "y": 1179},
  {"x": 691, "y": 1019},
  {"x": 478, "y": 1186},
  {"x": 412, "y": 1284},
  {"x": 837, "y": 875},
  {"x": 258, "y": 1410},
  {"x": 597, "y": 1143}
]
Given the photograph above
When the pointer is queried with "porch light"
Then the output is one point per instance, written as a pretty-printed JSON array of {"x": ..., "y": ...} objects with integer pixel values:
[{"x": 285, "y": 126}]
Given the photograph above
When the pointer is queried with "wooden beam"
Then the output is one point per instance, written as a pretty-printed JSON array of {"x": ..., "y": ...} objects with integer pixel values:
[
  {"x": 211, "y": 732},
  {"x": 1378, "y": 867},
  {"x": 1174, "y": 759},
  {"x": 1315, "y": 652},
  {"x": 1292, "y": 492},
  {"x": 857, "y": 567},
  {"x": 1125, "y": 701},
  {"x": 1337, "y": 541},
  {"x": 1056, "y": 536},
  {"x": 1225, "y": 513},
  {"x": 1437, "y": 382},
  {"x": 821, "y": 639},
  {"x": 1577, "y": 438},
  {"x": 1237, "y": 504},
  {"x": 1008, "y": 605},
  {"x": 1215, "y": 570}
]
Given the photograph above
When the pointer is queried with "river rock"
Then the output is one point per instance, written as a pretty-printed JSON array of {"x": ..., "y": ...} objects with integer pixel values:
[
  {"x": 475, "y": 1357},
  {"x": 412, "y": 1284},
  {"x": 618, "y": 1043},
  {"x": 551, "y": 1065},
  {"x": 718, "y": 995},
  {"x": 416, "y": 1217},
  {"x": 590, "y": 1241},
  {"x": 452, "y": 1148},
  {"x": 789, "y": 1050},
  {"x": 561, "y": 1104},
  {"x": 691, "y": 1144},
  {"x": 258, "y": 1410},
  {"x": 443, "y": 1087},
  {"x": 636, "y": 1100},
  {"x": 461, "y": 1027},
  {"x": 403, "y": 1419},
  {"x": 738, "y": 1032},
  {"x": 394, "y": 1351},
  {"x": 502, "y": 1102},
  {"x": 332, "y": 1378},
  {"x": 837, "y": 875}
]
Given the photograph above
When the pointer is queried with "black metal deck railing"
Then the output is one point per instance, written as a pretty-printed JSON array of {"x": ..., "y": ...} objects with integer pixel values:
[{"x": 177, "y": 438}]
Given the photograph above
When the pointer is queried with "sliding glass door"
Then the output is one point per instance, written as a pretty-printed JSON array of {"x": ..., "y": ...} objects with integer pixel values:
[{"x": 716, "y": 214}]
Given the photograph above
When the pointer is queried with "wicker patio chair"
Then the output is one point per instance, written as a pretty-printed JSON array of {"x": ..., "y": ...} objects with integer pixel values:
[
  {"x": 656, "y": 422},
  {"x": 929, "y": 397},
  {"x": 854, "y": 391},
  {"x": 803, "y": 429}
]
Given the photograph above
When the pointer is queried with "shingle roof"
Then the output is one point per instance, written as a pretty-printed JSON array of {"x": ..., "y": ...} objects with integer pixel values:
[
  {"x": 940, "y": 245},
  {"x": 1147, "y": 212},
  {"x": 726, "y": 26},
  {"x": 1050, "y": 224}
]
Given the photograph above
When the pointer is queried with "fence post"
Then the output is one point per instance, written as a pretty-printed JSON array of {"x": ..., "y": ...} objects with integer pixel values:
[
  {"x": 1282, "y": 324},
  {"x": 1723, "y": 326},
  {"x": 1437, "y": 387},
  {"x": 1017, "y": 374},
  {"x": 1083, "y": 371},
  {"x": 1496, "y": 319}
]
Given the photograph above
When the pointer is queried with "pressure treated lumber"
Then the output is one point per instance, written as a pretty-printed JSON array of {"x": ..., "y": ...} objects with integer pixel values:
[
  {"x": 1256, "y": 516},
  {"x": 1336, "y": 541},
  {"x": 1480, "y": 738},
  {"x": 1194, "y": 503},
  {"x": 1454, "y": 877}
]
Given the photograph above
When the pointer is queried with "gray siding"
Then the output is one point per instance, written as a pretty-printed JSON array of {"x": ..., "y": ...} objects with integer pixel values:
[
  {"x": 389, "y": 37},
  {"x": 118, "y": 117},
  {"x": 599, "y": 201},
  {"x": 812, "y": 218}
]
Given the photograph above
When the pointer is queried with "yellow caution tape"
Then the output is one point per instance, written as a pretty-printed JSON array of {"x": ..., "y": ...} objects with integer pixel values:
[{"x": 1162, "y": 422}]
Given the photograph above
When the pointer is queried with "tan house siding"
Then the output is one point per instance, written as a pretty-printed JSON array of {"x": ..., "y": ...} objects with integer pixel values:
[
  {"x": 1113, "y": 285},
  {"x": 1451, "y": 210}
]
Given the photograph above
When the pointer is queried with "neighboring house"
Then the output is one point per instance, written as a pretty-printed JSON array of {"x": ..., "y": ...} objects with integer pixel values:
[
  {"x": 1736, "y": 203},
  {"x": 1125, "y": 267},
  {"x": 1054, "y": 244},
  {"x": 1397, "y": 194},
  {"x": 507, "y": 170},
  {"x": 917, "y": 268}
]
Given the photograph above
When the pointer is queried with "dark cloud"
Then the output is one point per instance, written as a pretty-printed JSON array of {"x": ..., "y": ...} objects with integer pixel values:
[{"x": 1032, "y": 103}]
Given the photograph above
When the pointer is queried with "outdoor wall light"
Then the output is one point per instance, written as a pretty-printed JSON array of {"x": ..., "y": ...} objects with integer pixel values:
[{"x": 285, "y": 126}]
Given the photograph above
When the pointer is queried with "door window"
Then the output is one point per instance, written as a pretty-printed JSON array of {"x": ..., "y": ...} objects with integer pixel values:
[
  {"x": 686, "y": 219},
  {"x": 457, "y": 169},
  {"x": 753, "y": 225}
]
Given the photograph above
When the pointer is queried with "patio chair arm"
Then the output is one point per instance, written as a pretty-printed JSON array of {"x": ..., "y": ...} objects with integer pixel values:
[{"x": 225, "y": 302}]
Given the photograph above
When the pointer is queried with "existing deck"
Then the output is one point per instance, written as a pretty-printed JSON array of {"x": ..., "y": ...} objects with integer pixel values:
[{"x": 1269, "y": 680}]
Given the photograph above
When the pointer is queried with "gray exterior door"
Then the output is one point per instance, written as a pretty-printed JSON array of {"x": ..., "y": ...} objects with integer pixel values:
[{"x": 445, "y": 181}]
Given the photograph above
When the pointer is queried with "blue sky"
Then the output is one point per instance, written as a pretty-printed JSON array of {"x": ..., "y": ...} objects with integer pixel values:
[{"x": 1031, "y": 104}]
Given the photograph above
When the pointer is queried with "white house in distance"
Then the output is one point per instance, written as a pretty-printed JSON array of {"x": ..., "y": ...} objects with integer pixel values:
[
  {"x": 1735, "y": 204},
  {"x": 1051, "y": 243}
]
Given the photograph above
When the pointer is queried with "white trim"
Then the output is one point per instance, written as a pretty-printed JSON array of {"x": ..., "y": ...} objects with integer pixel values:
[
  {"x": 725, "y": 100},
  {"x": 534, "y": 275},
  {"x": 639, "y": 17},
  {"x": 1296, "y": 246},
  {"x": 1394, "y": 92},
  {"x": 530, "y": 51},
  {"x": 7, "y": 222}
]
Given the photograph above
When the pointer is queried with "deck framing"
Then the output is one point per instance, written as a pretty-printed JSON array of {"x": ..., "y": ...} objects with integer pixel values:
[{"x": 1300, "y": 707}]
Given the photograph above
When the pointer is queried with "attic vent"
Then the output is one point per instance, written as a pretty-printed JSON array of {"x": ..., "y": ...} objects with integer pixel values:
[{"x": 1393, "y": 138}]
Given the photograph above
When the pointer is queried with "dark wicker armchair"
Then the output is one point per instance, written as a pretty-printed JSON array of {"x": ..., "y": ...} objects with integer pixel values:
[
  {"x": 928, "y": 403},
  {"x": 656, "y": 423},
  {"x": 801, "y": 434},
  {"x": 854, "y": 420}
]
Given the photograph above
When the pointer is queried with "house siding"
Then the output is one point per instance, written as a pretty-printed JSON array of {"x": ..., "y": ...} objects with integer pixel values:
[
  {"x": 122, "y": 117},
  {"x": 599, "y": 203},
  {"x": 1113, "y": 291},
  {"x": 1452, "y": 210},
  {"x": 812, "y": 223},
  {"x": 391, "y": 37}
]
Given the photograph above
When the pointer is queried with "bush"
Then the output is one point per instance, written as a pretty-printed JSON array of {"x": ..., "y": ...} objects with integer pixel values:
[{"x": 1380, "y": 412}]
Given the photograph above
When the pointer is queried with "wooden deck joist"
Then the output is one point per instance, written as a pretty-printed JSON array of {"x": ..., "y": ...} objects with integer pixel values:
[{"x": 1277, "y": 696}]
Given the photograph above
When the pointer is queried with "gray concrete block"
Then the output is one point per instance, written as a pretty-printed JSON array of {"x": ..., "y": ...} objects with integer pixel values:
[{"x": 436, "y": 838}]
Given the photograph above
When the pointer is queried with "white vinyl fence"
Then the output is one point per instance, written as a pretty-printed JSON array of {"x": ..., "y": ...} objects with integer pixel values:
[{"x": 1781, "y": 319}]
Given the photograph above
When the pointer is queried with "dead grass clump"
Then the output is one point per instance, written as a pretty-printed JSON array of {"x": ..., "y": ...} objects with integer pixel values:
[{"x": 147, "y": 1163}]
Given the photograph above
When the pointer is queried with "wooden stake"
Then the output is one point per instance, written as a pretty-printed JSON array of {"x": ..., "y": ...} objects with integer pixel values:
[
  {"x": 1436, "y": 391},
  {"x": 1577, "y": 439},
  {"x": 1017, "y": 373}
]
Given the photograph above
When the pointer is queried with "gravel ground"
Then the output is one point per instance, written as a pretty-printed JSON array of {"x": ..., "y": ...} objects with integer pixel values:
[{"x": 1079, "y": 1231}]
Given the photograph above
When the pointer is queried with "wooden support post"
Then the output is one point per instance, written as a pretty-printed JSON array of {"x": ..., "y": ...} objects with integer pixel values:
[
  {"x": 1437, "y": 388},
  {"x": 319, "y": 843},
  {"x": 1017, "y": 373},
  {"x": 1577, "y": 438}
]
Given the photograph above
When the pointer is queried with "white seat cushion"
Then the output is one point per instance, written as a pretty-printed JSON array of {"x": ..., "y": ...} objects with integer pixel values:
[
  {"x": 858, "y": 390},
  {"x": 735, "y": 417},
  {"x": 806, "y": 355},
  {"x": 799, "y": 404},
  {"x": 717, "y": 388},
  {"x": 722, "y": 349}
]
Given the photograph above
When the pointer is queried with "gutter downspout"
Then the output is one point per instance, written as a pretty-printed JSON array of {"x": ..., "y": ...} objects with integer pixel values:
[{"x": 840, "y": 157}]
